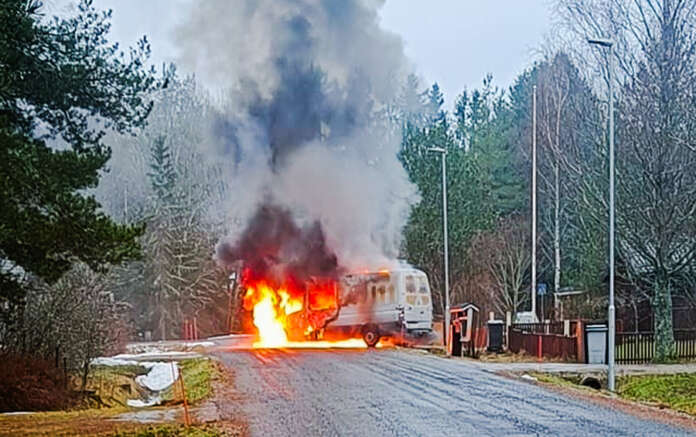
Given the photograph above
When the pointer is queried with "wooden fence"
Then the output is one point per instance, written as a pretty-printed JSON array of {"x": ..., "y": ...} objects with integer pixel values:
[
  {"x": 541, "y": 344},
  {"x": 639, "y": 347}
]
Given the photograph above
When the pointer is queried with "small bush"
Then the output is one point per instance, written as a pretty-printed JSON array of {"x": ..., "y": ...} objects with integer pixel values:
[{"x": 32, "y": 384}]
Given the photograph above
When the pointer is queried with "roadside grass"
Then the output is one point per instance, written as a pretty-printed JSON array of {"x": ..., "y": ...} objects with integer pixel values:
[
  {"x": 558, "y": 379},
  {"x": 511, "y": 357},
  {"x": 78, "y": 422},
  {"x": 111, "y": 386},
  {"x": 677, "y": 392},
  {"x": 198, "y": 374},
  {"x": 180, "y": 431},
  {"x": 108, "y": 388}
]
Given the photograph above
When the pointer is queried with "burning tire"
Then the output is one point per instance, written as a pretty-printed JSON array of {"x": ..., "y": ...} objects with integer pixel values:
[{"x": 370, "y": 334}]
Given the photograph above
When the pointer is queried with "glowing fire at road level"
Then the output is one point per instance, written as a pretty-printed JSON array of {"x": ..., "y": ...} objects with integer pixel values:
[
  {"x": 270, "y": 310},
  {"x": 271, "y": 331}
]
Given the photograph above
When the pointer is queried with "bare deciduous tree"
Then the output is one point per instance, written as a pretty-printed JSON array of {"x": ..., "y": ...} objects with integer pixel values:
[
  {"x": 656, "y": 154},
  {"x": 505, "y": 254}
]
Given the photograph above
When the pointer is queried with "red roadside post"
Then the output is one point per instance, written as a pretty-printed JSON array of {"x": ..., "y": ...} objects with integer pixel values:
[
  {"x": 187, "y": 419},
  {"x": 580, "y": 338},
  {"x": 180, "y": 380},
  {"x": 539, "y": 343}
]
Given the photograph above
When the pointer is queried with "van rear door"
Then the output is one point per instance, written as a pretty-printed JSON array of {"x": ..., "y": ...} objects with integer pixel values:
[{"x": 418, "y": 310}]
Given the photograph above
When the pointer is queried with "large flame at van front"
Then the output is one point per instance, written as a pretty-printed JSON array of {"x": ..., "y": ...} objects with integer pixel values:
[{"x": 286, "y": 315}]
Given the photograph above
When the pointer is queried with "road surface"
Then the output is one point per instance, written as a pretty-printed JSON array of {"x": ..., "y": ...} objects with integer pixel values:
[{"x": 394, "y": 392}]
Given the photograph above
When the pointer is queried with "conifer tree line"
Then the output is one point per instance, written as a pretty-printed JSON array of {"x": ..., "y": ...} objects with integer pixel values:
[{"x": 112, "y": 199}]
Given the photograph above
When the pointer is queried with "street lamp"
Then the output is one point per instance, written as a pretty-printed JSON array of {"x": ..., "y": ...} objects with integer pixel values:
[
  {"x": 443, "y": 153},
  {"x": 534, "y": 204},
  {"x": 611, "y": 371}
]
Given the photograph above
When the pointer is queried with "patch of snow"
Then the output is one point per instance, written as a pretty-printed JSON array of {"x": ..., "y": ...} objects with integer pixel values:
[
  {"x": 528, "y": 377},
  {"x": 16, "y": 413},
  {"x": 112, "y": 361},
  {"x": 155, "y": 355},
  {"x": 201, "y": 343},
  {"x": 138, "y": 403},
  {"x": 158, "y": 347},
  {"x": 160, "y": 376}
]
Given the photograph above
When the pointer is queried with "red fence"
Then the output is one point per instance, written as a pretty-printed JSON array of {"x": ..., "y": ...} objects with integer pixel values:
[{"x": 548, "y": 345}]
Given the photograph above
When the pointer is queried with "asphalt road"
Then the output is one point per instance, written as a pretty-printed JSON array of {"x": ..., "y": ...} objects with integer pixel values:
[{"x": 404, "y": 393}]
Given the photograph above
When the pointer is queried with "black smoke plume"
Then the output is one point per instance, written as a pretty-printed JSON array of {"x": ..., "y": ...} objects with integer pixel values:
[
  {"x": 274, "y": 248},
  {"x": 317, "y": 183}
]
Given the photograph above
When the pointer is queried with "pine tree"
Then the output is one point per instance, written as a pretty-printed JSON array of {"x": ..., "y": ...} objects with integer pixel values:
[
  {"x": 162, "y": 174},
  {"x": 61, "y": 79},
  {"x": 484, "y": 126},
  {"x": 469, "y": 208}
]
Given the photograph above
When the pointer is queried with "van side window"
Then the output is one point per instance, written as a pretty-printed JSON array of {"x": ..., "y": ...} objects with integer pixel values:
[
  {"x": 381, "y": 294},
  {"x": 411, "y": 290},
  {"x": 423, "y": 285},
  {"x": 373, "y": 293},
  {"x": 410, "y": 284}
]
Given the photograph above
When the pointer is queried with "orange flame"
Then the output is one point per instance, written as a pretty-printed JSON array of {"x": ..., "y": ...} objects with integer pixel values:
[{"x": 271, "y": 308}]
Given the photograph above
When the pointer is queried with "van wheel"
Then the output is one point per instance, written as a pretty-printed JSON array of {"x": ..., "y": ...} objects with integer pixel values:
[{"x": 370, "y": 334}]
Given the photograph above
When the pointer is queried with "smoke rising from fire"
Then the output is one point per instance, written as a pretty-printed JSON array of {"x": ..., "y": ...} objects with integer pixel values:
[{"x": 314, "y": 176}]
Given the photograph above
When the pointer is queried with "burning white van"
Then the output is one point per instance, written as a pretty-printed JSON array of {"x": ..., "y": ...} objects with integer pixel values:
[{"x": 383, "y": 303}]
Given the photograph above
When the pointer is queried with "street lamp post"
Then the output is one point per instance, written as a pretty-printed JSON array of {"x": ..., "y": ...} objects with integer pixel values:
[
  {"x": 611, "y": 371},
  {"x": 443, "y": 154},
  {"x": 534, "y": 203}
]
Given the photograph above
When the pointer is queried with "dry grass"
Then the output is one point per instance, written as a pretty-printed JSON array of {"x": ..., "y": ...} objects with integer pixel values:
[
  {"x": 509, "y": 357},
  {"x": 113, "y": 385},
  {"x": 62, "y": 423}
]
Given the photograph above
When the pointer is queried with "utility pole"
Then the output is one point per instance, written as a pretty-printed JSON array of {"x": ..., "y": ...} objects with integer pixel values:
[
  {"x": 534, "y": 202},
  {"x": 443, "y": 153},
  {"x": 611, "y": 370}
]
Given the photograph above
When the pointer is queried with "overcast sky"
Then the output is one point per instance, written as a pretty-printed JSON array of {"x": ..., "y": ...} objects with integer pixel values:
[
  {"x": 453, "y": 42},
  {"x": 457, "y": 42}
]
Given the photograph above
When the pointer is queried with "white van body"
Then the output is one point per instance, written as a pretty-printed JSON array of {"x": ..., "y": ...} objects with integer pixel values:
[{"x": 387, "y": 300}]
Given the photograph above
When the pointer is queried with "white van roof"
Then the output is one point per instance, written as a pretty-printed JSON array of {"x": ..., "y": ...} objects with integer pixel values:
[{"x": 386, "y": 271}]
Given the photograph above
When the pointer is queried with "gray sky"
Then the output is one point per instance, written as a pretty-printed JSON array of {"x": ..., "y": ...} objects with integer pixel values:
[
  {"x": 457, "y": 42},
  {"x": 453, "y": 42}
]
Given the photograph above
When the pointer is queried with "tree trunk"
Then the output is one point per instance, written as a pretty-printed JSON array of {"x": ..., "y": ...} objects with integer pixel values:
[
  {"x": 557, "y": 237},
  {"x": 85, "y": 372},
  {"x": 665, "y": 348},
  {"x": 162, "y": 324},
  {"x": 636, "y": 320}
]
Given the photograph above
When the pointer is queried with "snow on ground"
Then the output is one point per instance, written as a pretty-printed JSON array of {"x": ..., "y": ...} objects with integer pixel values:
[
  {"x": 138, "y": 403},
  {"x": 169, "y": 346},
  {"x": 113, "y": 361},
  {"x": 160, "y": 376},
  {"x": 153, "y": 353}
]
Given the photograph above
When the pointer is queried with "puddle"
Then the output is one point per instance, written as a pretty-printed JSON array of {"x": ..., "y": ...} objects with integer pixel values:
[{"x": 149, "y": 415}]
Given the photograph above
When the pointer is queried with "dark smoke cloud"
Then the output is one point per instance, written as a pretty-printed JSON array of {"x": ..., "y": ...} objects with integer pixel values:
[
  {"x": 275, "y": 248},
  {"x": 316, "y": 181}
]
